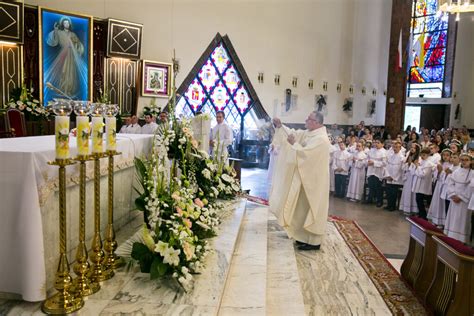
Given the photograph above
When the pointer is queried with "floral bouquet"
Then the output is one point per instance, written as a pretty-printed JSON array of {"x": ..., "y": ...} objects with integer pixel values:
[{"x": 23, "y": 100}]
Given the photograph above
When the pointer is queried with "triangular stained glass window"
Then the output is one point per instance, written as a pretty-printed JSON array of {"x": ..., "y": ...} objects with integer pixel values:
[{"x": 218, "y": 82}]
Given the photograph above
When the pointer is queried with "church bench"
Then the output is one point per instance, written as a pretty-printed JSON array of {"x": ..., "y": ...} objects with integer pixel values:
[
  {"x": 418, "y": 267},
  {"x": 452, "y": 289}
]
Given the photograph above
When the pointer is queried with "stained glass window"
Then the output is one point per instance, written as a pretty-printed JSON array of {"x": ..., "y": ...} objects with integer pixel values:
[
  {"x": 427, "y": 55},
  {"x": 218, "y": 86}
]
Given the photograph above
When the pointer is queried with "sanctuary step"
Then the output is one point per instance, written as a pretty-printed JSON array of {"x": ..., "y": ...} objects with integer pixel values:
[
  {"x": 245, "y": 289},
  {"x": 133, "y": 293}
]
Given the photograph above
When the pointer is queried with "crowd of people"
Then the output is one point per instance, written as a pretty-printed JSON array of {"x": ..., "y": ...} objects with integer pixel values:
[
  {"x": 427, "y": 172},
  {"x": 131, "y": 125}
]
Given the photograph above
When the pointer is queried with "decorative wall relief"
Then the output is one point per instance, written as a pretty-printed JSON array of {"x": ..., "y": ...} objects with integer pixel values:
[
  {"x": 124, "y": 39},
  {"x": 321, "y": 102},
  {"x": 11, "y": 25}
]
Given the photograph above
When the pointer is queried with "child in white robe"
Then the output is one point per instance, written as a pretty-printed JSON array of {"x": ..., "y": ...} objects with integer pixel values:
[
  {"x": 394, "y": 175},
  {"x": 355, "y": 190},
  {"x": 423, "y": 181},
  {"x": 437, "y": 210},
  {"x": 458, "y": 220},
  {"x": 341, "y": 165},
  {"x": 332, "y": 149},
  {"x": 408, "y": 199},
  {"x": 454, "y": 160}
]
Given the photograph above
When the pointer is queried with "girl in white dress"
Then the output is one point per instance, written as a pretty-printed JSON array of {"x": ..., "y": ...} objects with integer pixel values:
[
  {"x": 449, "y": 171},
  {"x": 458, "y": 220},
  {"x": 437, "y": 210},
  {"x": 355, "y": 190},
  {"x": 408, "y": 199}
]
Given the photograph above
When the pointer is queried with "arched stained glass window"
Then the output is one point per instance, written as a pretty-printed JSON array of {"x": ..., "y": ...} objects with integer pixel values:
[
  {"x": 218, "y": 83},
  {"x": 427, "y": 57}
]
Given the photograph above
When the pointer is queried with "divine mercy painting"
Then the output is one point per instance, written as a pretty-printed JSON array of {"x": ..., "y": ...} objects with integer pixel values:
[{"x": 65, "y": 68}]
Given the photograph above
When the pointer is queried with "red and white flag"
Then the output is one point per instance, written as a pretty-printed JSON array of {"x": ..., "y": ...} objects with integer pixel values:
[{"x": 398, "y": 62}]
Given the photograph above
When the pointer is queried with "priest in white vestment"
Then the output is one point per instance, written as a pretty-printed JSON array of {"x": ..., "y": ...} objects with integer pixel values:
[
  {"x": 299, "y": 195},
  {"x": 221, "y": 137}
]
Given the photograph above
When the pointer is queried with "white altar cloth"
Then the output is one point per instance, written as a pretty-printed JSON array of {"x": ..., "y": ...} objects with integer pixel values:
[{"x": 26, "y": 182}]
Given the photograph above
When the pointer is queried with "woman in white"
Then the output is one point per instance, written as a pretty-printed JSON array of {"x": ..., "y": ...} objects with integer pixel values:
[
  {"x": 408, "y": 199},
  {"x": 437, "y": 210},
  {"x": 458, "y": 220},
  {"x": 355, "y": 190}
]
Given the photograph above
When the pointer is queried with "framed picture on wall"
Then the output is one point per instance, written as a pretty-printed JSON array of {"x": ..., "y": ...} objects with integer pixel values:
[
  {"x": 65, "y": 43},
  {"x": 156, "y": 81}
]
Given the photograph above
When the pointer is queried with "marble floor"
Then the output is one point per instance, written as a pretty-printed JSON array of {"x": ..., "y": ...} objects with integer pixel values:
[{"x": 256, "y": 270}]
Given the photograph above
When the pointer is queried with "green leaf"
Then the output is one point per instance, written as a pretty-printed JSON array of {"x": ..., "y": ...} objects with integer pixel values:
[
  {"x": 139, "y": 250},
  {"x": 140, "y": 203},
  {"x": 141, "y": 169},
  {"x": 158, "y": 268},
  {"x": 143, "y": 255}
]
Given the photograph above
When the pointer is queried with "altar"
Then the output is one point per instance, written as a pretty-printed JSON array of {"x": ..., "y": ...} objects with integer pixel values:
[{"x": 29, "y": 228}]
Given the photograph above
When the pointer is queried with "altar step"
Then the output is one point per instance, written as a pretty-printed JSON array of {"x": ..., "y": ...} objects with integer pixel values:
[{"x": 263, "y": 277}]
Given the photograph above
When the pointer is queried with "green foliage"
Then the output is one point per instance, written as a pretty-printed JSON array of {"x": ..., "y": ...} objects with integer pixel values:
[{"x": 143, "y": 255}]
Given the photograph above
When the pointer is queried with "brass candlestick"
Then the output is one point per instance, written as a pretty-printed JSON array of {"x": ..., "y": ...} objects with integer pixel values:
[
  {"x": 112, "y": 261},
  {"x": 65, "y": 301},
  {"x": 82, "y": 285},
  {"x": 99, "y": 272}
]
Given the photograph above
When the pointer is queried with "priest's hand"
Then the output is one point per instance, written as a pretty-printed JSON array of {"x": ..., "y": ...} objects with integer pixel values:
[
  {"x": 277, "y": 122},
  {"x": 291, "y": 138}
]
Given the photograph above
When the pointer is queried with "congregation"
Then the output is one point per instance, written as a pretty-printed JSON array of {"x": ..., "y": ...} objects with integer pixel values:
[{"x": 427, "y": 174}]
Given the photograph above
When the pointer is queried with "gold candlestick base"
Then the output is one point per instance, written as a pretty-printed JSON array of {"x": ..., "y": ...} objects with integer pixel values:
[
  {"x": 65, "y": 301},
  {"x": 99, "y": 271},
  {"x": 82, "y": 285},
  {"x": 112, "y": 261}
]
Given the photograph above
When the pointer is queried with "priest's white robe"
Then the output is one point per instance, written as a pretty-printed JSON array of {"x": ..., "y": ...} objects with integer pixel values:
[
  {"x": 408, "y": 199},
  {"x": 458, "y": 220},
  {"x": 355, "y": 190},
  {"x": 299, "y": 197},
  {"x": 437, "y": 210}
]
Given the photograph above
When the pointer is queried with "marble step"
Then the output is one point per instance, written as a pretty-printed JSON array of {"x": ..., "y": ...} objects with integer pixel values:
[
  {"x": 284, "y": 296},
  {"x": 246, "y": 286},
  {"x": 132, "y": 292}
]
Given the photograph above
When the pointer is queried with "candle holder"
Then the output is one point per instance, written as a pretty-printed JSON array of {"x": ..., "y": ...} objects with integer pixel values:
[
  {"x": 65, "y": 301},
  {"x": 112, "y": 261},
  {"x": 98, "y": 272},
  {"x": 82, "y": 285}
]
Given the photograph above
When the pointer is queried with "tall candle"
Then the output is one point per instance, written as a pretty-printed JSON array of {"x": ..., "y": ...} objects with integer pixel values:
[
  {"x": 111, "y": 129},
  {"x": 61, "y": 125},
  {"x": 82, "y": 134},
  {"x": 97, "y": 132}
]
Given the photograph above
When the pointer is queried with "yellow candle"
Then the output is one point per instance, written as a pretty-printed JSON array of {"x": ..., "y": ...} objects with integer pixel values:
[
  {"x": 97, "y": 132},
  {"x": 61, "y": 124},
  {"x": 82, "y": 134},
  {"x": 111, "y": 130}
]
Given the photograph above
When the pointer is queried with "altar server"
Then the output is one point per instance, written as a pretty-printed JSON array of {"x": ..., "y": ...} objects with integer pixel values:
[
  {"x": 134, "y": 127},
  {"x": 150, "y": 126},
  {"x": 221, "y": 137},
  {"x": 341, "y": 165},
  {"x": 355, "y": 190},
  {"x": 408, "y": 200},
  {"x": 458, "y": 220},
  {"x": 422, "y": 181},
  {"x": 126, "y": 124},
  {"x": 437, "y": 210},
  {"x": 394, "y": 175},
  {"x": 376, "y": 162},
  {"x": 454, "y": 160}
]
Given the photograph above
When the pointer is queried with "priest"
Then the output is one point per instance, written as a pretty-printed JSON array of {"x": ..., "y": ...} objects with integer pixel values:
[{"x": 299, "y": 194}]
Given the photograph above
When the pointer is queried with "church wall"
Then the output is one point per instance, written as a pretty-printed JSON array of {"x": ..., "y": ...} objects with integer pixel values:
[
  {"x": 338, "y": 41},
  {"x": 463, "y": 81}
]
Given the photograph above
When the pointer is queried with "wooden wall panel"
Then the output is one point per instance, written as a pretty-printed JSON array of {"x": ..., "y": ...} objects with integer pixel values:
[
  {"x": 120, "y": 83},
  {"x": 10, "y": 70}
]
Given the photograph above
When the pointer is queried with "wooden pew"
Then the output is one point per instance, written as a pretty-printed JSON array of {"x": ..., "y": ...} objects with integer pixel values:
[
  {"x": 419, "y": 265},
  {"x": 452, "y": 289}
]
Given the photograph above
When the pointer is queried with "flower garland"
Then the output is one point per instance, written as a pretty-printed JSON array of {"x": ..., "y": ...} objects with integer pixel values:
[{"x": 179, "y": 199}]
